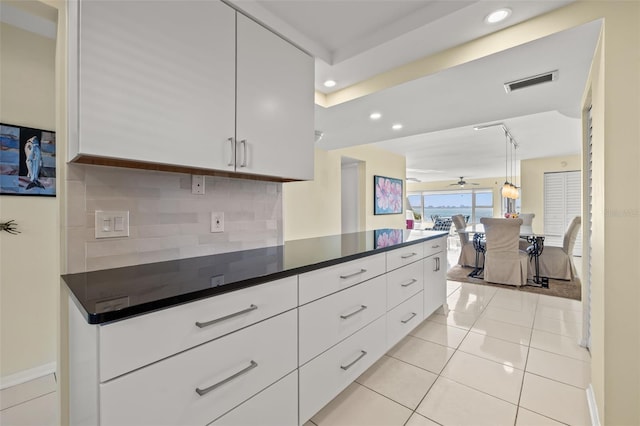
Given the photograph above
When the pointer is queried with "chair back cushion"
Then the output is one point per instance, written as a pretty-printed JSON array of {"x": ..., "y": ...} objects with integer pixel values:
[
  {"x": 527, "y": 218},
  {"x": 460, "y": 224},
  {"x": 502, "y": 234},
  {"x": 570, "y": 235}
]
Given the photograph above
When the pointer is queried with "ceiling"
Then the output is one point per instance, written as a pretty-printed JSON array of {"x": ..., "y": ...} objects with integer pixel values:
[{"x": 354, "y": 40}]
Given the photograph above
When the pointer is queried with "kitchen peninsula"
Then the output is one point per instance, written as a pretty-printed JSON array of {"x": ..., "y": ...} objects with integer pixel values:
[{"x": 228, "y": 338}]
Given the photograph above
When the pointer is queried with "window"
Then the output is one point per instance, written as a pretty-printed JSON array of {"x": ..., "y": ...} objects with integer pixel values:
[{"x": 471, "y": 203}]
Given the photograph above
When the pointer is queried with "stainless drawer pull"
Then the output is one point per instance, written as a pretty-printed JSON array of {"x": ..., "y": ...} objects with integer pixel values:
[
  {"x": 361, "y": 271},
  {"x": 406, "y": 256},
  {"x": 228, "y": 379},
  {"x": 348, "y": 366},
  {"x": 435, "y": 246},
  {"x": 226, "y": 317},
  {"x": 408, "y": 283},
  {"x": 413, "y": 315},
  {"x": 362, "y": 308}
]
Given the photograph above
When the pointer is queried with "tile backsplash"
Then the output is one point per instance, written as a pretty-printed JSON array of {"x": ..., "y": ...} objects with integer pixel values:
[{"x": 166, "y": 220}]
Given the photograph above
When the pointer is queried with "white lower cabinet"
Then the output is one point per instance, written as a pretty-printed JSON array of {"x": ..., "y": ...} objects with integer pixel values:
[
  {"x": 199, "y": 385},
  {"x": 327, "y": 321},
  {"x": 263, "y": 356},
  {"x": 328, "y": 374},
  {"x": 435, "y": 281},
  {"x": 404, "y": 318},
  {"x": 275, "y": 406}
]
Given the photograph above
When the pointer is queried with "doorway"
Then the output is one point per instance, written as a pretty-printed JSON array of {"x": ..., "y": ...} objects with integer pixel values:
[{"x": 351, "y": 194}]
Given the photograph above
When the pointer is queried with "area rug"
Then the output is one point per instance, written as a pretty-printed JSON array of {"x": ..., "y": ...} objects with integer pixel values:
[{"x": 559, "y": 288}]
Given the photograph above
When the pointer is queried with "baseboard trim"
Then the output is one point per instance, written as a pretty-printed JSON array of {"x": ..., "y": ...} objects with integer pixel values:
[
  {"x": 593, "y": 407},
  {"x": 27, "y": 375}
]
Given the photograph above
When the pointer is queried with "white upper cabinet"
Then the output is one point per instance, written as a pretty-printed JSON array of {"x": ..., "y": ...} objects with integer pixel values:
[
  {"x": 275, "y": 109},
  {"x": 157, "y": 82}
]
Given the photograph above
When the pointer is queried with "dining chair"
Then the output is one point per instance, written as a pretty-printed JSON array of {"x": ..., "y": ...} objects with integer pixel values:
[
  {"x": 557, "y": 262},
  {"x": 504, "y": 262},
  {"x": 527, "y": 221},
  {"x": 467, "y": 251}
]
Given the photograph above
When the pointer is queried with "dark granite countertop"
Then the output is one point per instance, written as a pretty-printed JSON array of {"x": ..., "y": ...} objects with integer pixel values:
[{"x": 119, "y": 293}]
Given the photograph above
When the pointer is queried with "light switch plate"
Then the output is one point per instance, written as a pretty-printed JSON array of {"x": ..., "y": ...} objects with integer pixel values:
[{"x": 112, "y": 224}]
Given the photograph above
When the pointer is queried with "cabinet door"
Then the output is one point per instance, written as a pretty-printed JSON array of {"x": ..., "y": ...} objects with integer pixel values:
[
  {"x": 157, "y": 81},
  {"x": 275, "y": 109},
  {"x": 435, "y": 282}
]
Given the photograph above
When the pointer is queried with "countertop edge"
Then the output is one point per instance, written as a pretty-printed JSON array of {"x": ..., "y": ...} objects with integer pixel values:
[{"x": 104, "y": 318}]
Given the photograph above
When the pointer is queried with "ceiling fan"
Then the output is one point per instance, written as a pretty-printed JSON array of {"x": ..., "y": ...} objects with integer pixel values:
[{"x": 461, "y": 183}]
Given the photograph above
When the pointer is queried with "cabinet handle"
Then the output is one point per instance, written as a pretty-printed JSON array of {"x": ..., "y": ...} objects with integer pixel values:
[
  {"x": 436, "y": 246},
  {"x": 361, "y": 271},
  {"x": 243, "y": 142},
  {"x": 406, "y": 256},
  {"x": 408, "y": 283},
  {"x": 226, "y": 317},
  {"x": 413, "y": 315},
  {"x": 360, "y": 309},
  {"x": 245, "y": 370},
  {"x": 348, "y": 366},
  {"x": 435, "y": 264},
  {"x": 232, "y": 151}
]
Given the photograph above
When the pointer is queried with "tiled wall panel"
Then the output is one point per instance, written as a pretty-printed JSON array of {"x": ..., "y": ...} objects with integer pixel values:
[{"x": 166, "y": 220}]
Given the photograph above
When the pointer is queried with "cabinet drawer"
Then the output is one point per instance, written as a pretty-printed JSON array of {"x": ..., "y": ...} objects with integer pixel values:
[
  {"x": 404, "y": 256},
  {"x": 275, "y": 406},
  {"x": 315, "y": 284},
  {"x": 404, "y": 318},
  {"x": 404, "y": 283},
  {"x": 136, "y": 342},
  {"x": 327, "y": 321},
  {"x": 226, "y": 371},
  {"x": 434, "y": 246},
  {"x": 327, "y": 375}
]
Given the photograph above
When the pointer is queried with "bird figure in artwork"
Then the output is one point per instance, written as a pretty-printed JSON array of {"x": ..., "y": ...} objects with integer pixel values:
[{"x": 33, "y": 161}]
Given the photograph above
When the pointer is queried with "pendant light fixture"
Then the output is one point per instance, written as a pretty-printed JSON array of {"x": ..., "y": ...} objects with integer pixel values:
[{"x": 509, "y": 189}]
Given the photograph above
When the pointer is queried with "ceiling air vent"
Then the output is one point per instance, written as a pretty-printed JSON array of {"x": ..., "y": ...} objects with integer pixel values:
[{"x": 531, "y": 81}]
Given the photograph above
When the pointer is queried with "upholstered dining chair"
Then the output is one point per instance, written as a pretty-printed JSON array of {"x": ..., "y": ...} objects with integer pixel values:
[
  {"x": 467, "y": 251},
  {"x": 557, "y": 262},
  {"x": 504, "y": 262},
  {"x": 527, "y": 221}
]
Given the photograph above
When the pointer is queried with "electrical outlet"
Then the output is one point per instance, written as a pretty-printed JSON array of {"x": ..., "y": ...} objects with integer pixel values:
[
  {"x": 217, "y": 222},
  {"x": 197, "y": 184}
]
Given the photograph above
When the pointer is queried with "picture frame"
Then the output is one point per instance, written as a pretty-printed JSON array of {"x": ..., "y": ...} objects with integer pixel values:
[
  {"x": 387, "y": 237},
  {"x": 27, "y": 161},
  {"x": 388, "y": 195}
]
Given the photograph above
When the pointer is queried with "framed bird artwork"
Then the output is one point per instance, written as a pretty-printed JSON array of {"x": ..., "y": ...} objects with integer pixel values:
[{"x": 27, "y": 161}]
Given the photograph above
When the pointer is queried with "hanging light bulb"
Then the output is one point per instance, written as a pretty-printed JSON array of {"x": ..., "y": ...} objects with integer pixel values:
[{"x": 505, "y": 188}]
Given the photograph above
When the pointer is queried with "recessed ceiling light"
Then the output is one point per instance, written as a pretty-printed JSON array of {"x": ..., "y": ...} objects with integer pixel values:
[
  {"x": 375, "y": 116},
  {"x": 498, "y": 16},
  {"x": 329, "y": 83},
  {"x": 397, "y": 126}
]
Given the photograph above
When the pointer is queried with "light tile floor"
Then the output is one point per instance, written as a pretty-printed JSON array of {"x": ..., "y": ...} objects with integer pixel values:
[{"x": 493, "y": 357}]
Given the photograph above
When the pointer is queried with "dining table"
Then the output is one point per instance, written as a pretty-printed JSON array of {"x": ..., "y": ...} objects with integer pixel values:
[{"x": 526, "y": 232}]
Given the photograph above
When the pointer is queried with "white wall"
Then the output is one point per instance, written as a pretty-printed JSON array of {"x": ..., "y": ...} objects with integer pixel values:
[{"x": 29, "y": 262}]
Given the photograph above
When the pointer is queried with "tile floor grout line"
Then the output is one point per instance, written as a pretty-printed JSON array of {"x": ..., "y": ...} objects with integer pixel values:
[{"x": 525, "y": 365}]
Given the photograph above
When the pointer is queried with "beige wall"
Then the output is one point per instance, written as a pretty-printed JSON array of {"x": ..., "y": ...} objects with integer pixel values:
[
  {"x": 532, "y": 178},
  {"x": 29, "y": 262},
  {"x": 313, "y": 208}
]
